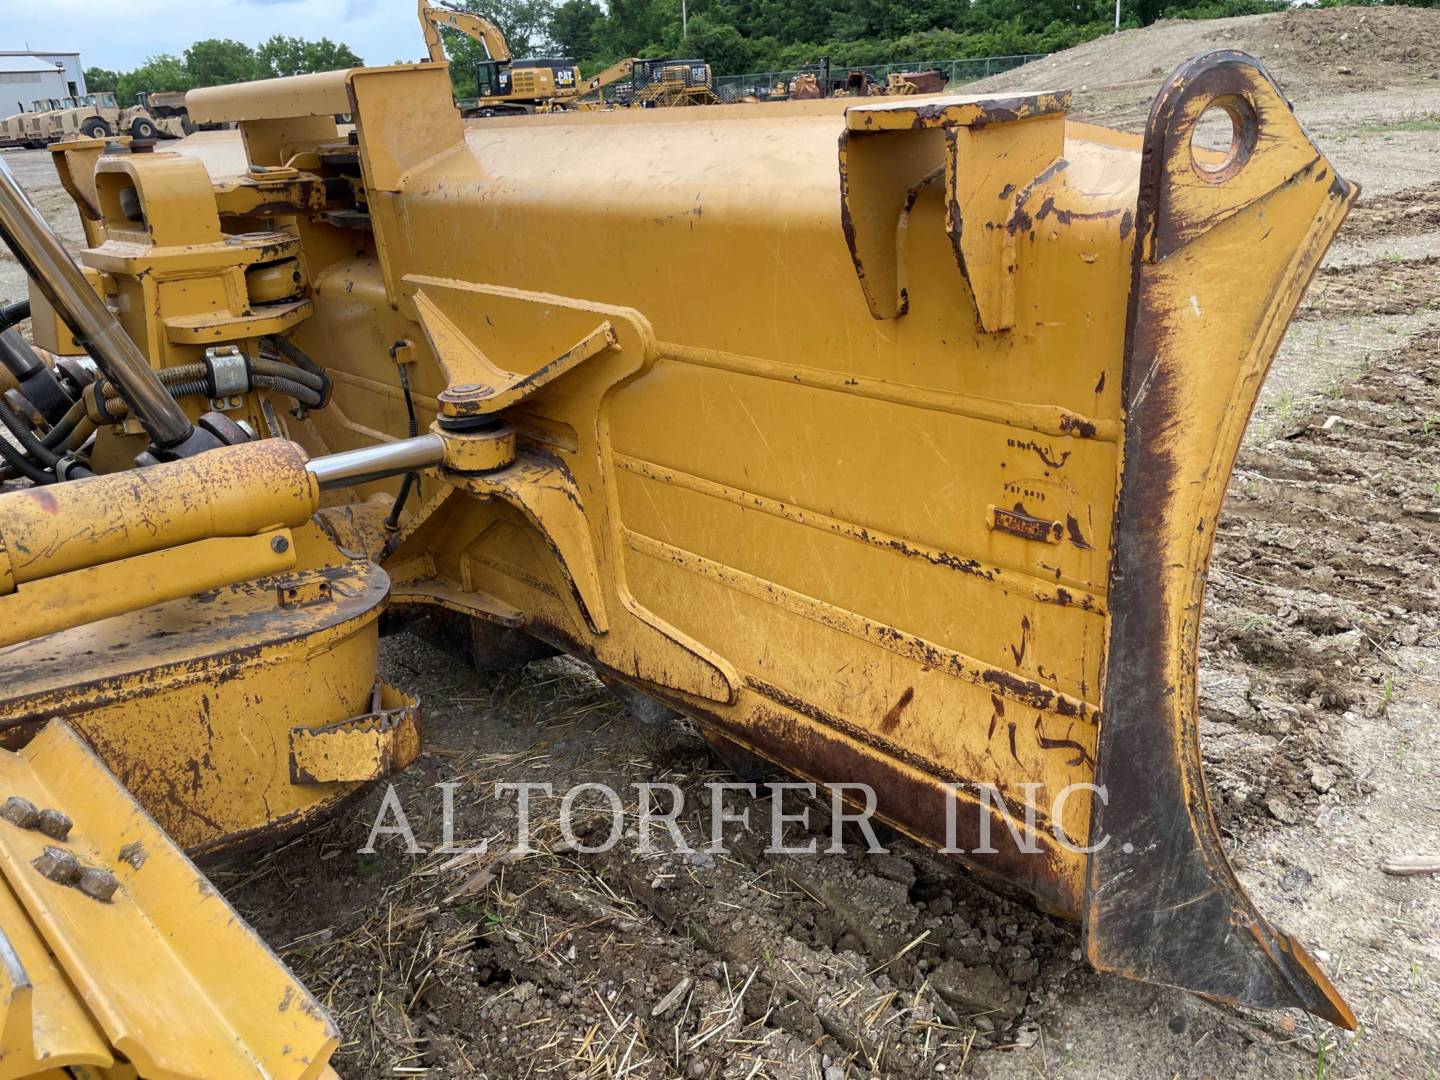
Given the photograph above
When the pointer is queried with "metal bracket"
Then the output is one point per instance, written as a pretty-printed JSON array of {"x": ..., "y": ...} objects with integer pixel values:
[
  {"x": 986, "y": 150},
  {"x": 161, "y": 971},
  {"x": 369, "y": 747},
  {"x": 480, "y": 387},
  {"x": 229, "y": 370},
  {"x": 544, "y": 490}
]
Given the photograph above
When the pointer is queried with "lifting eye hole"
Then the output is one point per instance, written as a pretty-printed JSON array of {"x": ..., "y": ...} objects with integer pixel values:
[
  {"x": 1223, "y": 137},
  {"x": 130, "y": 204}
]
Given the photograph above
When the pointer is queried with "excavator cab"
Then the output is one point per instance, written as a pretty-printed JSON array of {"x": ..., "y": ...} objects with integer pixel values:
[{"x": 491, "y": 79}]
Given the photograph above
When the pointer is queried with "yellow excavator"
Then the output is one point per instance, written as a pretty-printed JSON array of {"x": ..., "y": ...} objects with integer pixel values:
[
  {"x": 505, "y": 86},
  {"x": 509, "y": 87}
]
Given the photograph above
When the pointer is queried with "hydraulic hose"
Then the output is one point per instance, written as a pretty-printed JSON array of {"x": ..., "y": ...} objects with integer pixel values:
[
  {"x": 289, "y": 387},
  {"x": 54, "y": 272},
  {"x": 14, "y": 313},
  {"x": 192, "y": 380},
  {"x": 297, "y": 356},
  {"x": 20, "y": 465},
  {"x": 60, "y": 433},
  {"x": 316, "y": 382},
  {"x": 36, "y": 381},
  {"x": 392, "y": 521},
  {"x": 294, "y": 353},
  {"x": 29, "y": 442}
]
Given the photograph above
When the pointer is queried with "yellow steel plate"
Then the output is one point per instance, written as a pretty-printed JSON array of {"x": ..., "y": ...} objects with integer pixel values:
[{"x": 178, "y": 982}]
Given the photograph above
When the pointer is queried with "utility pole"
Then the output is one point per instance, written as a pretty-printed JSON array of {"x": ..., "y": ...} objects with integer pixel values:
[
  {"x": 685, "y": 19},
  {"x": 1117, "y": 16}
]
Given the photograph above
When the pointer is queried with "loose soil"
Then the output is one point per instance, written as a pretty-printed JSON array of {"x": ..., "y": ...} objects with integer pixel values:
[{"x": 1320, "y": 680}]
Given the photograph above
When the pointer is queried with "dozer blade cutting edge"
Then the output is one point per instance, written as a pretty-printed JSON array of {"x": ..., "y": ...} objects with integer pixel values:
[
  {"x": 1165, "y": 906},
  {"x": 117, "y": 951}
]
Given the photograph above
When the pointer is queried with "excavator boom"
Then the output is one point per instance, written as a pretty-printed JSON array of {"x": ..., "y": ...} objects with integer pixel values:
[{"x": 435, "y": 14}]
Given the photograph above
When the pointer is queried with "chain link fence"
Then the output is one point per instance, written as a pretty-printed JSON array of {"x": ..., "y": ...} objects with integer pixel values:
[{"x": 767, "y": 84}]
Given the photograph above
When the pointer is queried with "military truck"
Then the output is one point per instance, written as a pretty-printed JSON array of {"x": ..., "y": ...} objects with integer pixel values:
[
  {"x": 10, "y": 130},
  {"x": 32, "y": 127},
  {"x": 98, "y": 116}
]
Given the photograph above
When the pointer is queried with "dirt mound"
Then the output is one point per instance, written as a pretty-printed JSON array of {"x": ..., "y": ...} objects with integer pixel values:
[{"x": 1308, "y": 51}]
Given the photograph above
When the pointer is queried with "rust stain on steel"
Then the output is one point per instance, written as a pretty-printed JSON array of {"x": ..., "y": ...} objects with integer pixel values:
[
  {"x": 134, "y": 853},
  {"x": 1065, "y": 217},
  {"x": 891, "y": 718},
  {"x": 914, "y": 802},
  {"x": 1072, "y": 528},
  {"x": 1082, "y": 753},
  {"x": 1178, "y": 916},
  {"x": 1045, "y": 453},
  {"x": 1039, "y": 696},
  {"x": 1077, "y": 425}
]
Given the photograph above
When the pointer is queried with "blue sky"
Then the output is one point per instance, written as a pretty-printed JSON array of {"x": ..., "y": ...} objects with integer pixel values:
[{"x": 120, "y": 34}]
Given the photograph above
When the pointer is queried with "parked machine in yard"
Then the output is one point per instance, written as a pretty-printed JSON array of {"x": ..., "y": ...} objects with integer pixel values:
[
  {"x": 505, "y": 86},
  {"x": 510, "y": 87},
  {"x": 93, "y": 116},
  {"x": 668, "y": 84},
  {"x": 31, "y": 128},
  {"x": 10, "y": 131},
  {"x": 99, "y": 116},
  {"x": 933, "y": 516}
]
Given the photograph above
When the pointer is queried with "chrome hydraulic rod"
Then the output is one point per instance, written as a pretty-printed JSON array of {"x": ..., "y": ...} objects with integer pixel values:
[{"x": 377, "y": 462}]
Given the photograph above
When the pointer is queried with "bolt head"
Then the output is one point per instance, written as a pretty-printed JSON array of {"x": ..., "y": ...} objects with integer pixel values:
[
  {"x": 279, "y": 545},
  {"x": 97, "y": 884},
  {"x": 54, "y": 824},
  {"x": 59, "y": 865},
  {"x": 21, "y": 812}
]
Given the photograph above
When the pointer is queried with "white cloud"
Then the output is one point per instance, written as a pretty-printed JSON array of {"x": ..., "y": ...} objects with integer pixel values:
[{"x": 120, "y": 34}]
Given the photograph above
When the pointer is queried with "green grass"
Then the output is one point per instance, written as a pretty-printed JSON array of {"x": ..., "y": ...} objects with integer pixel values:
[
  {"x": 1419, "y": 123},
  {"x": 477, "y": 911},
  {"x": 1332, "y": 1047},
  {"x": 1287, "y": 403}
]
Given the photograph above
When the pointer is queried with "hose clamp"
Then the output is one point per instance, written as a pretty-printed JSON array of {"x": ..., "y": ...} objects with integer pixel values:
[
  {"x": 65, "y": 468},
  {"x": 228, "y": 370}
]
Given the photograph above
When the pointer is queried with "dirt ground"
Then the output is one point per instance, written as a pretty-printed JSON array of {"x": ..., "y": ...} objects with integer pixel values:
[{"x": 1320, "y": 681}]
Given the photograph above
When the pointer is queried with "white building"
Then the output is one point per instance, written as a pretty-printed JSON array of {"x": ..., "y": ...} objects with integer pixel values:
[{"x": 25, "y": 76}]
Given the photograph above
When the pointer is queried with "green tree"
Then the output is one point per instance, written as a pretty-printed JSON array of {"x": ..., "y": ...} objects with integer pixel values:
[
  {"x": 100, "y": 80},
  {"x": 719, "y": 43},
  {"x": 219, "y": 62},
  {"x": 157, "y": 74},
  {"x": 525, "y": 24},
  {"x": 574, "y": 27},
  {"x": 637, "y": 27},
  {"x": 282, "y": 55}
]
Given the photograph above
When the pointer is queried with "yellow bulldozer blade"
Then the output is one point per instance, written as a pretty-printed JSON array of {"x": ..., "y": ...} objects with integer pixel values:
[
  {"x": 116, "y": 949},
  {"x": 888, "y": 445}
]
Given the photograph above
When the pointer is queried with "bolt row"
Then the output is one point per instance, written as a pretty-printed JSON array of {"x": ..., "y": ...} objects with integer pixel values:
[{"x": 59, "y": 864}]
